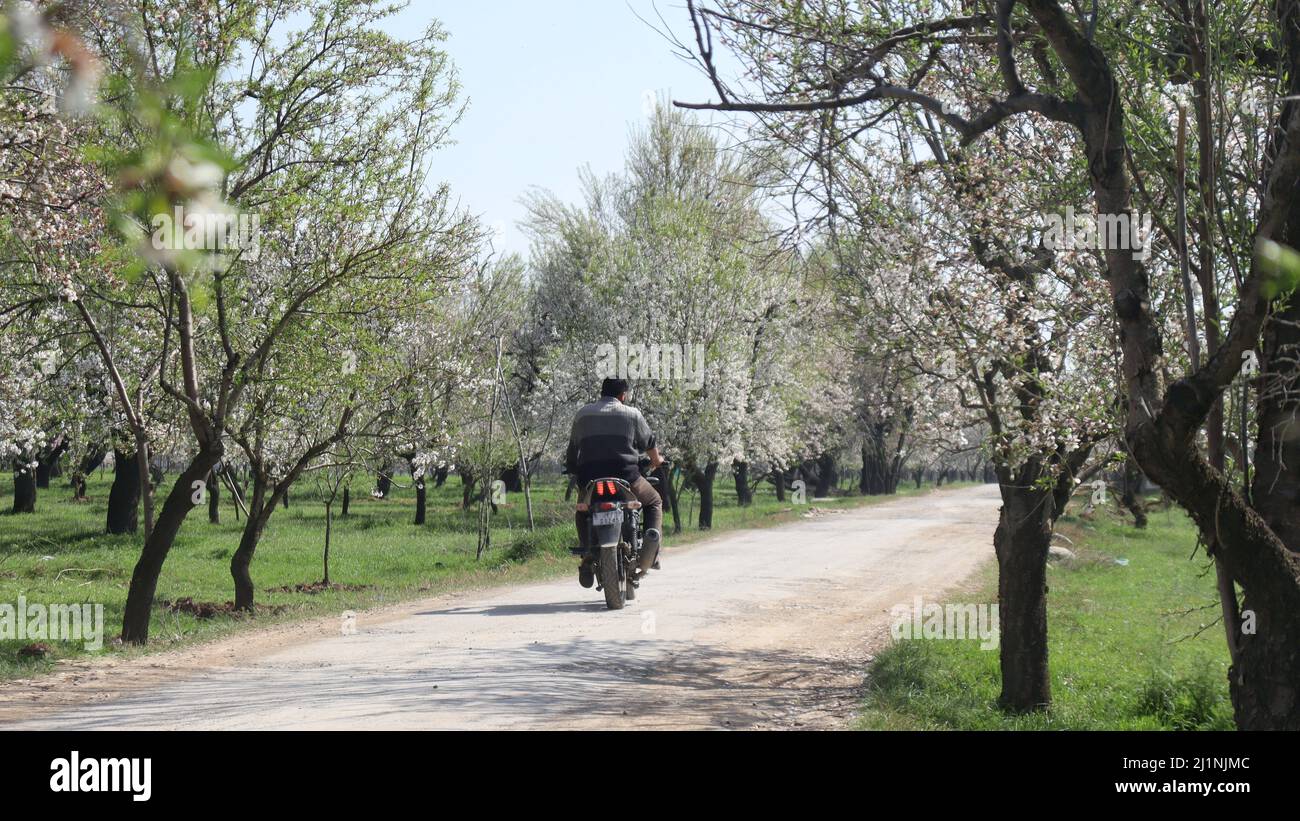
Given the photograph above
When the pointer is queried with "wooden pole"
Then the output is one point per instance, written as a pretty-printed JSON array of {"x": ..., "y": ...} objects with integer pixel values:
[
  {"x": 519, "y": 443},
  {"x": 484, "y": 512}
]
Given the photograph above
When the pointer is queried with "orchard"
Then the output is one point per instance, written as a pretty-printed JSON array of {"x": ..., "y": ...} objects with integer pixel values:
[{"x": 1040, "y": 245}]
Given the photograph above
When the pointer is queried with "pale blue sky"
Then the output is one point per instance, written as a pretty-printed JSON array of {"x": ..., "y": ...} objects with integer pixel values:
[{"x": 552, "y": 85}]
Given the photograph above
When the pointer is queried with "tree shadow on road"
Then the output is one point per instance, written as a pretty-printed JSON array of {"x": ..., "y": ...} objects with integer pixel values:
[
  {"x": 532, "y": 609},
  {"x": 594, "y": 684}
]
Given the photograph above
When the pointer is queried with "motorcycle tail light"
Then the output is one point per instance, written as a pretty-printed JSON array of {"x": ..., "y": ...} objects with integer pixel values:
[
  {"x": 607, "y": 506},
  {"x": 600, "y": 488}
]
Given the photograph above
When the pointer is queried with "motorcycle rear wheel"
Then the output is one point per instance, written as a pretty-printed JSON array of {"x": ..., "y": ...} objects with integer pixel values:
[{"x": 610, "y": 579}]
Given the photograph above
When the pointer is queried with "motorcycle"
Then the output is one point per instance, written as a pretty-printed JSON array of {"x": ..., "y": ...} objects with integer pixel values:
[{"x": 615, "y": 536}]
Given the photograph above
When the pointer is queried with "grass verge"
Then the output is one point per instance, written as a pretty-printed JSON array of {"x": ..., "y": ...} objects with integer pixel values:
[{"x": 1133, "y": 643}]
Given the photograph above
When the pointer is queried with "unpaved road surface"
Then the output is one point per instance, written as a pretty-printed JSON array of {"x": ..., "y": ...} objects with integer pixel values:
[{"x": 765, "y": 628}]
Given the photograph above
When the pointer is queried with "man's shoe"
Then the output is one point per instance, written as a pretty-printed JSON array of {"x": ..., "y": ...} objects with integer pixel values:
[
  {"x": 586, "y": 576},
  {"x": 653, "y": 542}
]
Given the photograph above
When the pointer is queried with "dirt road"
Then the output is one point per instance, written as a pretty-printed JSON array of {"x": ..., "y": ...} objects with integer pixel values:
[{"x": 756, "y": 629}]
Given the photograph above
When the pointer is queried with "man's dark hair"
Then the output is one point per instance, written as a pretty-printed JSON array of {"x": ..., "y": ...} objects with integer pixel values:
[{"x": 614, "y": 387}]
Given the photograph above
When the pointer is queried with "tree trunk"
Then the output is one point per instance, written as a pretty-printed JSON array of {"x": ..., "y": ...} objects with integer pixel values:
[
  {"x": 347, "y": 502},
  {"x": 260, "y": 509},
  {"x": 665, "y": 486},
  {"x": 744, "y": 497},
  {"x": 466, "y": 487},
  {"x": 214, "y": 499},
  {"x": 440, "y": 476},
  {"x": 704, "y": 484},
  {"x": 1256, "y": 546},
  {"x": 420, "y": 500},
  {"x": 92, "y": 461},
  {"x": 384, "y": 483},
  {"x": 85, "y": 466},
  {"x": 880, "y": 467},
  {"x": 124, "y": 494},
  {"x": 265, "y": 498},
  {"x": 144, "y": 579},
  {"x": 869, "y": 477},
  {"x": 1265, "y": 682},
  {"x": 1131, "y": 497},
  {"x": 511, "y": 476},
  {"x": 1021, "y": 541},
  {"x": 24, "y": 490},
  {"x": 146, "y": 490},
  {"x": 825, "y": 475},
  {"x": 778, "y": 481},
  {"x": 47, "y": 464},
  {"x": 674, "y": 502},
  {"x": 329, "y": 520}
]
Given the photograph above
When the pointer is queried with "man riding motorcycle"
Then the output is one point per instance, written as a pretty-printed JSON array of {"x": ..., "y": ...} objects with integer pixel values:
[{"x": 606, "y": 441}]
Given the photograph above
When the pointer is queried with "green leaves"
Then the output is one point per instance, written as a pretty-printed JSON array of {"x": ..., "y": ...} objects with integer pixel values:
[
  {"x": 8, "y": 46},
  {"x": 174, "y": 164},
  {"x": 189, "y": 83},
  {"x": 1280, "y": 266}
]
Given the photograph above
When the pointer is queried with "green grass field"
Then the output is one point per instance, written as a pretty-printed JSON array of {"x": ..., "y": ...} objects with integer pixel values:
[
  {"x": 1132, "y": 646},
  {"x": 61, "y": 555}
]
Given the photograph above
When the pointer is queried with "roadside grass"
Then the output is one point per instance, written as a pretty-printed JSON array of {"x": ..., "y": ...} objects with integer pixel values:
[
  {"x": 60, "y": 555},
  {"x": 1132, "y": 646}
]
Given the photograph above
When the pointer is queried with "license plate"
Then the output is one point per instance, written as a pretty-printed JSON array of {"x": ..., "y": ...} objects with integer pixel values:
[{"x": 607, "y": 517}]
